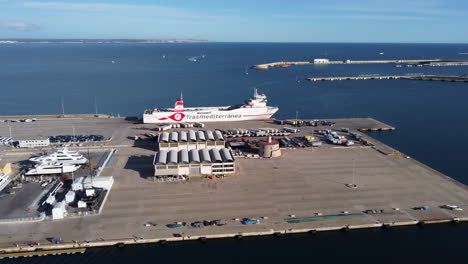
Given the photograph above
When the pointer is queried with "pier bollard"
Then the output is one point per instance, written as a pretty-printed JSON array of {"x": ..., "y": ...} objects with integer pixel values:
[{"x": 345, "y": 229}]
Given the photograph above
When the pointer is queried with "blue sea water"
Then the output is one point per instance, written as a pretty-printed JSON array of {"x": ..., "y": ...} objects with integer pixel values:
[{"x": 430, "y": 117}]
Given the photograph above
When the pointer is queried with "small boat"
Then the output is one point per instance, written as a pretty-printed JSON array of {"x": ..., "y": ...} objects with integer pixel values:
[{"x": 381, "y": 53}]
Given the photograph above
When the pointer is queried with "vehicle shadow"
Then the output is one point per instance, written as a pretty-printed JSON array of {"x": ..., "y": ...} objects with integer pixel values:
[{"x": 142, "y": 164}]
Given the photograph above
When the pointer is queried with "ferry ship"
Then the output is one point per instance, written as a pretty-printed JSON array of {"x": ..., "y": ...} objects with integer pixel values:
[{"x": 253, "y": 108}]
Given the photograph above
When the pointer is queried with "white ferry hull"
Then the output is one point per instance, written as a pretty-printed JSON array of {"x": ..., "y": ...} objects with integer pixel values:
[{"x": 210, "y": 115}]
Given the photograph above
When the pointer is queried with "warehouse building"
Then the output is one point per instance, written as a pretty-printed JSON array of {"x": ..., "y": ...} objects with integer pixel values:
[
  {"x": 188, "y": 140},
  {"x": 193, "y": 162}
]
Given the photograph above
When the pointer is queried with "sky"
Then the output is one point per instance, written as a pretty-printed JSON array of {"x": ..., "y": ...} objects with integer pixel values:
[{"x": 405, "y": 21}]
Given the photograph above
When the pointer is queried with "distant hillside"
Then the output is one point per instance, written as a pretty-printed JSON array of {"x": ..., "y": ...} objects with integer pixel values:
[{"x": 102, "y": 41}]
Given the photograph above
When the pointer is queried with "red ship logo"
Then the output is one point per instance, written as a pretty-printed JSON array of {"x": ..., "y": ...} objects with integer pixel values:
[{"x": 175, "y": 117}]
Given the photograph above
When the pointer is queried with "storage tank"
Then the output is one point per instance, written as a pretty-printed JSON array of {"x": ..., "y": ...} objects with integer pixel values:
[{"x": 269, "y": 148}]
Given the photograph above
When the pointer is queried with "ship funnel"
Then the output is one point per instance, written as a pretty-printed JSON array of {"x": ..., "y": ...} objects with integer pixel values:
[{"x": 179, "y": 104}]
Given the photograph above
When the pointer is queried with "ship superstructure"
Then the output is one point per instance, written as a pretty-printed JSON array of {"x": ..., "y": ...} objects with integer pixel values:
[
  {"x": 62, "y": 156},
  {"x": 253, "y": 108}
]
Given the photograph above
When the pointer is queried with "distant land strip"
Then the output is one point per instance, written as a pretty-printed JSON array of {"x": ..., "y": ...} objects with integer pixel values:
[{"x": 103, "y": 41}]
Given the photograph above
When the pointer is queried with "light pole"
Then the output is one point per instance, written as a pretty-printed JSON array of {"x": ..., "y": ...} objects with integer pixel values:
[
  {"x": 297, "y": 112},
  {"x": 63, "y": 108},
  {"x": 74, "y": 137}
]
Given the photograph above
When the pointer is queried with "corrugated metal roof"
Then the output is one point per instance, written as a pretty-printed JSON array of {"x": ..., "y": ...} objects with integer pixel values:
[
  {"x": 209, "y": 135},
  {"x": 164, "y": 137},
  {"x": 201, "y": 136},
  {"x": 183, "y": 156},
  {"x": 226, "y": 155},
  {"x": 183, "y": 136},
  {"x": 161, "y": 157},
  {"x": 218, "y": 135},
  {"x": 193, "y": 156},
  {"x": 172, "y": 158},
  {"x": 174, "y": 137},
  {"x": 215, "y": 156},
  {"x": 192, "y": 136},
  {"x": 204, "y": 155}
]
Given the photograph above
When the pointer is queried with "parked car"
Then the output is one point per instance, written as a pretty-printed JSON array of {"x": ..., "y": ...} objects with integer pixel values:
[
  {"x": 174, "y": 225},
  {"x": 421, "y": 208},
  {"x": 32, "y": 243},
  {"x": 451, "y": 207},
  {"x": 220, "y": 222},
  {"x": 56, "y": 240},
  {"x": 249, "y": 221},
  {"x": 198, "y": 224}
]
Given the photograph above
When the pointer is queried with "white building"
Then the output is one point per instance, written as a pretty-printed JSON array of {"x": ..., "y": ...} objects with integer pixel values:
[
  {"x": 188, "y": 140},
  {"x": 88, "y": 182},
  {"x": 59, "y": 211},
  {"x": 33, "y": 143},
  {"x": 321, "y": 61},
  {"x": 194, "y": 162}
]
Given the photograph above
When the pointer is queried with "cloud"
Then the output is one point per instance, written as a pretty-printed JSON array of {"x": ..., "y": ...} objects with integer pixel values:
[
  {"x": 154, "y": 10},
  {"x": 19, "y": 26},
  {"x": 355, "y": 17}
]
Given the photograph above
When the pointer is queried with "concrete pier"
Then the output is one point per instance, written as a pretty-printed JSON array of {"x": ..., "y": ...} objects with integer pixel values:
[
  {"x": 394, "y": 77},
  {"x": 304, "y": 182},
  {"x": 433, "y": 62}
]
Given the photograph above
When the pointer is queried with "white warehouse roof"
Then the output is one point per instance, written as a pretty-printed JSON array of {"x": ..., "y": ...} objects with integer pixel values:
[
  {"x": 191, "y": 135},
  {"x": 193, "y": 156}
]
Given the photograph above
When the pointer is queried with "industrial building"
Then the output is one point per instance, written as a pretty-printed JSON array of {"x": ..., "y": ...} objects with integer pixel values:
[
  {"x": 33, "y": 143},
  {"x": 194, "y": 162},
  {"x": 188, "y": 140}
]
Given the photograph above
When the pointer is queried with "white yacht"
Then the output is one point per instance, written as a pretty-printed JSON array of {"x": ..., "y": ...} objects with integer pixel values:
[
  {"x": 4, "y": 181},
  {"x": 52, "y": 168},
  {"x": 63, "y": 156}
]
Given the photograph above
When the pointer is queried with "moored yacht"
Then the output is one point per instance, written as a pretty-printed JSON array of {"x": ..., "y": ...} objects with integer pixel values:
[
  {"x": 63, "y": 156},
  {"x": 52, "y": 168}
]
